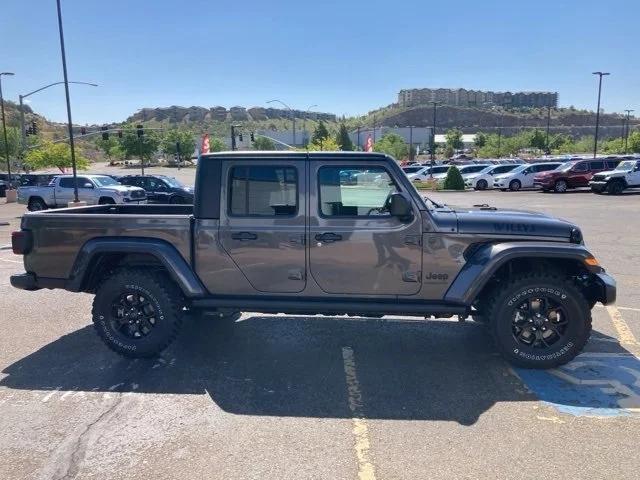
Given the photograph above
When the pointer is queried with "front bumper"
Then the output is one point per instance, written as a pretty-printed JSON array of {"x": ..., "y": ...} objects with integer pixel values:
[
  {"x": 598, "y": 185},
  {"x": 606, "y": 286}
]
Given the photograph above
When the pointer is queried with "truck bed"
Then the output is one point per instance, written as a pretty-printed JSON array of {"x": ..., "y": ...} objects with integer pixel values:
[{"x": 58, "y": 235}]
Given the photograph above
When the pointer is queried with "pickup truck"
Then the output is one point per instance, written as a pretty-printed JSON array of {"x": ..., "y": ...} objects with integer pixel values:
[
  {"x": 92, "y": 189},
  {"x": 288, "y": 232}
]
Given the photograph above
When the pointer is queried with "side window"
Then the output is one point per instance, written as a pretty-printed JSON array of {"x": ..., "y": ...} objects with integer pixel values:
[
  {"x": 599, "y": 165},
  {"x": 580, "y": 167},
  {"x": 129, "y": 181},
  {"x": 263, "y": 191},
  {"x": 611, "y": 164},
  {"x": 82, "y": 181},
  {"x": 151, "y": 184},
  {"x": 354, "y": 191},
  {"x": 544, "y": 167},
  {"x": 67, "y": 182}
]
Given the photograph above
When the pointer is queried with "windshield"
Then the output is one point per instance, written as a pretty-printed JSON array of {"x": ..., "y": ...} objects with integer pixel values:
[
  {"x": 172, "y": 182},
  {"x": 105, "y": 181},
  {"x": 628, "y": 165},
  {"x": 412, "y": 169}
]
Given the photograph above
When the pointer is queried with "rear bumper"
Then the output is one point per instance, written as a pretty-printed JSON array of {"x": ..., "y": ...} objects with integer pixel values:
[
  {"x": 607, "y": 288},
  {"x": 28, "y": 281}
]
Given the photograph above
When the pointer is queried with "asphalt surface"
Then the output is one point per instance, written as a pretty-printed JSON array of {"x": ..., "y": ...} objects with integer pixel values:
[{"x": 322, "y": 397}]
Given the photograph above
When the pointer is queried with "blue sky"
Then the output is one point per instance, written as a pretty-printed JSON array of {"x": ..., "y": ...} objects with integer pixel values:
[{"x": 346, "y": 56}]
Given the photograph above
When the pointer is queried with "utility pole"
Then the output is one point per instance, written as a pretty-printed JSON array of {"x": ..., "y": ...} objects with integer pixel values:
[
  {"x": 66, "y": 91},
  {"x": 410, "y": 143},
  {"x": 595, "y": 143},
  {"x": 374, "y": 129},
  {"x": 358, "y": 137},
  {"x": 433, "y": 139},
  {"x": 233, "y": 137},
  {"x": 548, "y": 125},
  {"x": 4, "y": 129},
  {"x": 626, "y": 135}
]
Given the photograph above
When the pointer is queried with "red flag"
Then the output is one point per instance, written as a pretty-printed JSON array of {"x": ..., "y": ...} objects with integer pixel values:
[
  {"x": 368, "y": 147},
  {"x": 205, "y": 143}
]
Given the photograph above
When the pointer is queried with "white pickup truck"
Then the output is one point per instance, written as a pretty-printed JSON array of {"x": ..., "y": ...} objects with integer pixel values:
[{"x": 92, "y": 189}]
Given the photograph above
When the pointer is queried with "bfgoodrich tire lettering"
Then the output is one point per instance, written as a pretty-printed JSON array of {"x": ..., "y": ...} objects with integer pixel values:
[
  {"x": 505, "y": 312},
  {"x": 161, "y": 298}
]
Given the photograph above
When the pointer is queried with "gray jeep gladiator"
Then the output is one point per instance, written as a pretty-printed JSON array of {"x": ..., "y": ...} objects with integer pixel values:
[{"x": 318, "y": 233}]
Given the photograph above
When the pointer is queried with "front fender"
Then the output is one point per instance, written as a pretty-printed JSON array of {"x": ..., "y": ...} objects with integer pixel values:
[{"x": 485, "y": 261}]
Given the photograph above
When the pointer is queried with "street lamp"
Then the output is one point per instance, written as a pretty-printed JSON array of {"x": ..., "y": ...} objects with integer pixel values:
[
  {"x": 546, "y": 142},
  {"x": 305, "y": 138},
  {"x": 4, "y": 129},
  {"x": 22, "y": 97},
  {"x": 595, "y": 143},
  {"x": 293, "y": 117},
  {"x": 433, "y": 140},
  {"x": 626, "y": 135}
]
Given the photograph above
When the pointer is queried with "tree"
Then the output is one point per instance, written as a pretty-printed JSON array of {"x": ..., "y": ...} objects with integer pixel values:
[
  {"x": 393, "y": 145},
  {"x": 110, "y": 147},
  {"x": 139, "y": 147},
  {"x": 263, "y": 143},
  {"x": 186, "y": 139},
  {"x": 343, "y": 139},
  {"x": 480, "y": 140},
  {"x": 13, "y": 141},
  {"x": 538, "y": 139},
  {"x": 54, "y": 155},
  {"x": 328, "y": 144},
  {"x": 634, "y": 142},
  {"x": 453, "y": 180},
  {"x": 454, "y": 138},
  {"x": 320, "y": 134},
  {"x": 217, "y": 145}
]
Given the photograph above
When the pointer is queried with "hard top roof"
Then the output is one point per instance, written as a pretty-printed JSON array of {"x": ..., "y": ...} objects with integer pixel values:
[{"x": 270, "y": 154}]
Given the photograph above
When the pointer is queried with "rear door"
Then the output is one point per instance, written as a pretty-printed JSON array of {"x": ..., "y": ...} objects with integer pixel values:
[
  {"x": 356, "y": 247},
  {"x": 263, "y": 222}
]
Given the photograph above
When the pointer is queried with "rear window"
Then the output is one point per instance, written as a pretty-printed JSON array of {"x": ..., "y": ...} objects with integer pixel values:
[{"x": 263, "y": 191}]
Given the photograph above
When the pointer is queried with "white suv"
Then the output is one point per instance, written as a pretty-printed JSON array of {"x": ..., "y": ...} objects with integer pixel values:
[
  {"x": 484, "y": 178},
  {"x": 425, "y": 173},
  {"x": 522, "y": 175},
  {"x": 625, "y": 175}
]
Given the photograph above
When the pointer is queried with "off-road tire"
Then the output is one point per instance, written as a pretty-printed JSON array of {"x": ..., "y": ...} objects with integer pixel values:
[
  {"x": 36, "y": 205},
  {"x": 515, "y": 185},
  {"x": 163, "y": 295},
  {"x": 504, "y": 301},
  {"x": 615, "y": 187}
]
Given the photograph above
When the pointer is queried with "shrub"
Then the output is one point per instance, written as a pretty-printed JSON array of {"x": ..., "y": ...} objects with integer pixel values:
[{"x": 454, "y": 180}]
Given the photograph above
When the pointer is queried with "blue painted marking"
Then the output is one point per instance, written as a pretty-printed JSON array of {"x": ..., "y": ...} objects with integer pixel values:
[{"x": 591, "y": 385}]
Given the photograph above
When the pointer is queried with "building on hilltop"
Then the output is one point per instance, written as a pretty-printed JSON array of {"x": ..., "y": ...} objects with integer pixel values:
[{"x": 462, "y": 97}]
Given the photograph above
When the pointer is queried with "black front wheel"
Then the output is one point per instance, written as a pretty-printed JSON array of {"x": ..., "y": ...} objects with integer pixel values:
[
  {"x": 615, "y": 187},
  {"x": 137, "y": 312},
  {"x": 539, "y": 320}
]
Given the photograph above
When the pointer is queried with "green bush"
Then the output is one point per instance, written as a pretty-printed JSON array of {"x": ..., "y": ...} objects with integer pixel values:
[{"x": 454, "y": 180}]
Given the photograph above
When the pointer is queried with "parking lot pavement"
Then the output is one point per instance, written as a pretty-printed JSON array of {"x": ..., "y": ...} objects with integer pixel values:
[{"x": 319, "y": 397}]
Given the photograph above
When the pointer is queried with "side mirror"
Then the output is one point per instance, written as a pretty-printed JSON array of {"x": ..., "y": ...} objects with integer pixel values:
[
  {"x": 400, "y": 206},
  {"x": 87, "y": 185}
]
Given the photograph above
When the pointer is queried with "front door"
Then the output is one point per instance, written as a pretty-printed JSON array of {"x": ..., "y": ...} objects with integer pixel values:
[
  {"x": 262, "y": 225},
  {"x": 356, "y": 246}
]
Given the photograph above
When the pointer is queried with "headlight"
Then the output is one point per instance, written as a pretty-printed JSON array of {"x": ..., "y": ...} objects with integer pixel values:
[{"x": 575, "y": 236}]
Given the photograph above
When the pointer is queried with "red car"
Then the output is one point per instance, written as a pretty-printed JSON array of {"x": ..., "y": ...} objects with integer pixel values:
[{"x": 572, "y": 174}]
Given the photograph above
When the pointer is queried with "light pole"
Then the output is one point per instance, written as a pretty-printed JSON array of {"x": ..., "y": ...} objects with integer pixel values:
[
  {"x": 22, "y": 97},
  {"x": 626, "y": 135},
  {"x": 293, "y": 117},
  {"x": 595, "y": 143},
  {"x": 410, "y": 143},
  {"x": 433, "y": 137},
  {"x": 66, "y": 91},
  {"x": 4, "y": 129},
  {"x": 546, "y": 142},
  {"x": 305, "y": 138}
]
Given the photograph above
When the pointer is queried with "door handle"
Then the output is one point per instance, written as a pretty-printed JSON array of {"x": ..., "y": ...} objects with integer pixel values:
[
  {"x": 328, "y": 237},
  {"x": 244, "y": 236}
]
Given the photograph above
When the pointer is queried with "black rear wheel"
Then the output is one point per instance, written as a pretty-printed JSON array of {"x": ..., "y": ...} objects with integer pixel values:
[
  {"x": 539, "y": 320},
  {"x": 137, "y": 312},
  {"x": 36, "y": 204}
]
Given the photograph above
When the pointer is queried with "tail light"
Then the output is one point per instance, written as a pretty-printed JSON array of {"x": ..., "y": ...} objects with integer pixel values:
[{"x": 21, "y": 242}]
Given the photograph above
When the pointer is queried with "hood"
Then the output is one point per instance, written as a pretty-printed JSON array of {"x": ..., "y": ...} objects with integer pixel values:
[
  {"x": 610, "y": 173},
  {"x": 497, "y": 221}
]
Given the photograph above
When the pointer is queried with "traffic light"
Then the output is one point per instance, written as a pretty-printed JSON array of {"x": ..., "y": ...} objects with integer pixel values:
[
  {"x": 253, "y": 138},
  {"x": 119, "y": 133},
  {"x": 140, "y": 131},
  {"x": 105, "y": 133},
  {"x": 83, "y": 131},
  {"x": 34, "y": 127}
]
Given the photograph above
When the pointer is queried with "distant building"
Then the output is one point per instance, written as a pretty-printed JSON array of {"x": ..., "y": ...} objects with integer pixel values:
[{"x": 462, "y": 97}]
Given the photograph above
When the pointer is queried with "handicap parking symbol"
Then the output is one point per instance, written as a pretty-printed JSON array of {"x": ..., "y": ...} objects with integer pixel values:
[{"x": 594, "y": 384}]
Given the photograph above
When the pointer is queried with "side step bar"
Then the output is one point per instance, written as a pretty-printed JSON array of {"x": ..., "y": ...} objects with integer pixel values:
[{"x": 335, "y": 307}]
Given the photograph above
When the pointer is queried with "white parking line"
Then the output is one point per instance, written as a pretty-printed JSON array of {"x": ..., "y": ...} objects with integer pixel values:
[{"x": 366, "y": 470}]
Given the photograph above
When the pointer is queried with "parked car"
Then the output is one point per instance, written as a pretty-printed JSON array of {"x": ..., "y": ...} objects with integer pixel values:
[
  {"x": 161, "y": 188},
  {"x": 436, "y": 172},
  {"x": 522, "y": 176},
  {"x": 468, "y": 170},
  {"x": 278, "y": 232},
  {"x": 625, "y": 175},
  {"x": 4, "y": 182},
  {"x": 484, "y": 178},
  {"x": 93, "y": 189},
  {"x": 572, "y": 175},
  {"x": 3, "y": 188}
]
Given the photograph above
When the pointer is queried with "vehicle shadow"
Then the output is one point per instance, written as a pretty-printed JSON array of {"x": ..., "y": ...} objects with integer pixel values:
[{"x": 293, "y": 366}]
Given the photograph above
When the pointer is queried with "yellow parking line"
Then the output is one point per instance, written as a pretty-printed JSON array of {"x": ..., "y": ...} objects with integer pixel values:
[
  {"x": 366, "y": 470},
  {"x": 625, "y": 335}
]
